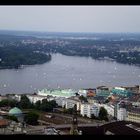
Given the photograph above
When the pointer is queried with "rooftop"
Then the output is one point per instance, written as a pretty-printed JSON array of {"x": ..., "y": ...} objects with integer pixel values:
[
  {"x": 3, "y": 122},
  {"x": 121, "y": 128},
  {"x": 122, "y": 92},
  {"x": 58, "y": 92},
  {"x": 15, "y": 111}
]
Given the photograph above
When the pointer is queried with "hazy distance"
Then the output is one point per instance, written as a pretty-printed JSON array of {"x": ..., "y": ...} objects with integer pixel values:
[{"x": 71, "y": 18}]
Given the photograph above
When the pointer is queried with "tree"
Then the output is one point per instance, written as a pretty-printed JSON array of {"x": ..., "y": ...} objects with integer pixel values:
[
  {"x": 103, "y": 114},
  {"x": 31, "y": 118},
  {"x": 37, "y": 105},
  {"x": 48, "y": 105},
  {"x": 25, "y": 102},
  {"x": 85, "y": 116},
  {"x": 4, "y": 102},
  {"x": 53, "y": 103},
  {"x": 8, "y": 102},
  {"x": 44, "y": 105},
  {"x": 93, "y": 116},
  {"x": 12, "y": 117},
  {"x": 70, "y": 110}
]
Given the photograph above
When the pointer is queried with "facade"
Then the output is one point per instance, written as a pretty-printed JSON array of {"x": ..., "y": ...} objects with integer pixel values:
[
  {"x": 104, "y": 93},
  {"x": 89, "y": 109},
  {"x": 121, "y": 92},
  {"x": 17, "y": 97},
  {"x": 133, "y": 117},
  {"x": 82, "y": 92},
  {"x": 110, "y": 109},
  {"x": 35, "y": 98},
  {"x": 60, "y": 101},
  {"x": 121, "y": 114},
  {"x": 85, "y": 108},
  {"x": 136, "y": 104},
  {"x": 91, "y": 93},
  {"x": 69, "y": 103},
  {"x": 116, "y": 107},
  {"x": 3, "y": 98},
  {"x": 134, "y": 89}
]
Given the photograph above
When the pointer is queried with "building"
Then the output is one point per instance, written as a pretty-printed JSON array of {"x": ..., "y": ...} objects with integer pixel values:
[
  {"x": 60, "y": 101},
  {"x": 35, "y": 98},
  {"x": 89, "y": 109},
  {"x": 121, "y": 92},
  {"x": 91, "y": 93},
  {"x": 134, "y": 114},
  {"x": 2, "y": 98},
  {"x": 134, "y": 89},
  {"x": 70, "y": 102},
  {"x": 121, "y": 128},
  {"x": 17, "y": 97},
  {"x": 3, "y": 125},
  {"x": 133, "y": 117},
  {"x": 103, "y": 93},
  {"x": 121, "y": 114},
  {"x": 102, "y": 88},
  {"x": 58, "y": 92},
  {"x": 82, "y": 92},
  {"x": 17, "y": 113},
  {"x": 109, "y": 108}
]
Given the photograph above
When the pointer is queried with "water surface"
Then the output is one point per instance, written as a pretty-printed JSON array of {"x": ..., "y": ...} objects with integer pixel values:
[{"x": 68, "y": 72}]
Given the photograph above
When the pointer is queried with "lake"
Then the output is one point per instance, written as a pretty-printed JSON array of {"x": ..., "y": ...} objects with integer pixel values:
[{"x": 68, "y": 72}]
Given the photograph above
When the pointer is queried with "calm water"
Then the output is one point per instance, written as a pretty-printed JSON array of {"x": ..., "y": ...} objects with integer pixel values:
[{"x": 68, "y": 72}]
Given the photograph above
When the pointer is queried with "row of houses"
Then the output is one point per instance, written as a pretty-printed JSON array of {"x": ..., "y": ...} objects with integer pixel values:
[
  {"x": 89, "y": 108},
  {"x": 67, "y": 98}
]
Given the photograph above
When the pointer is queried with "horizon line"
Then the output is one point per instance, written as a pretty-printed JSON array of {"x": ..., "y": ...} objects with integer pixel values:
[{"x": 82, "y": 32}]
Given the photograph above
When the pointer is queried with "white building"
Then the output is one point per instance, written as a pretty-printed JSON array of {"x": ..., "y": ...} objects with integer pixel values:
[
  {"x": 110, "y": 109},
  {"x": 70, "y": 102},
  {"x": 121, "y": 114},
  {"x": 35, "y": 98},
  {"x": 57, "y": 92},
  {"x": 119, "y": 88},
  {"x": 60, "y": 101},
  {"x": 17, "y": 97},
  {"x": 89, "y": 109},
  {"x": 82, "y": 92}
]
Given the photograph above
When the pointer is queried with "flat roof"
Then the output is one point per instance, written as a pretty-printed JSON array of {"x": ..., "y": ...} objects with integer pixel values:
[{"x": 58, "y": 92}]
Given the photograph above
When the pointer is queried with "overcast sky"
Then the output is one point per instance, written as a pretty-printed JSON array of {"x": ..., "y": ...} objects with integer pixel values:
[{"x": 71, "y": 18}]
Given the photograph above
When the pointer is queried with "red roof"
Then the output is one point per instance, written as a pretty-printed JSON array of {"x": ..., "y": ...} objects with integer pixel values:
[{"x": 3, "y": 122}]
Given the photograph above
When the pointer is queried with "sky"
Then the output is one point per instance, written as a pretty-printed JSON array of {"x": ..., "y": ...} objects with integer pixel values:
[{"x": 71, "y": 18}]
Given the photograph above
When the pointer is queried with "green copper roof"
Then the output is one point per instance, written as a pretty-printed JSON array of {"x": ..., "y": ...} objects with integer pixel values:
[
  {"x": 59, "y": 92},
  {"x": 121, "y": 92},
  {"x": 15, "y": 111}
]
